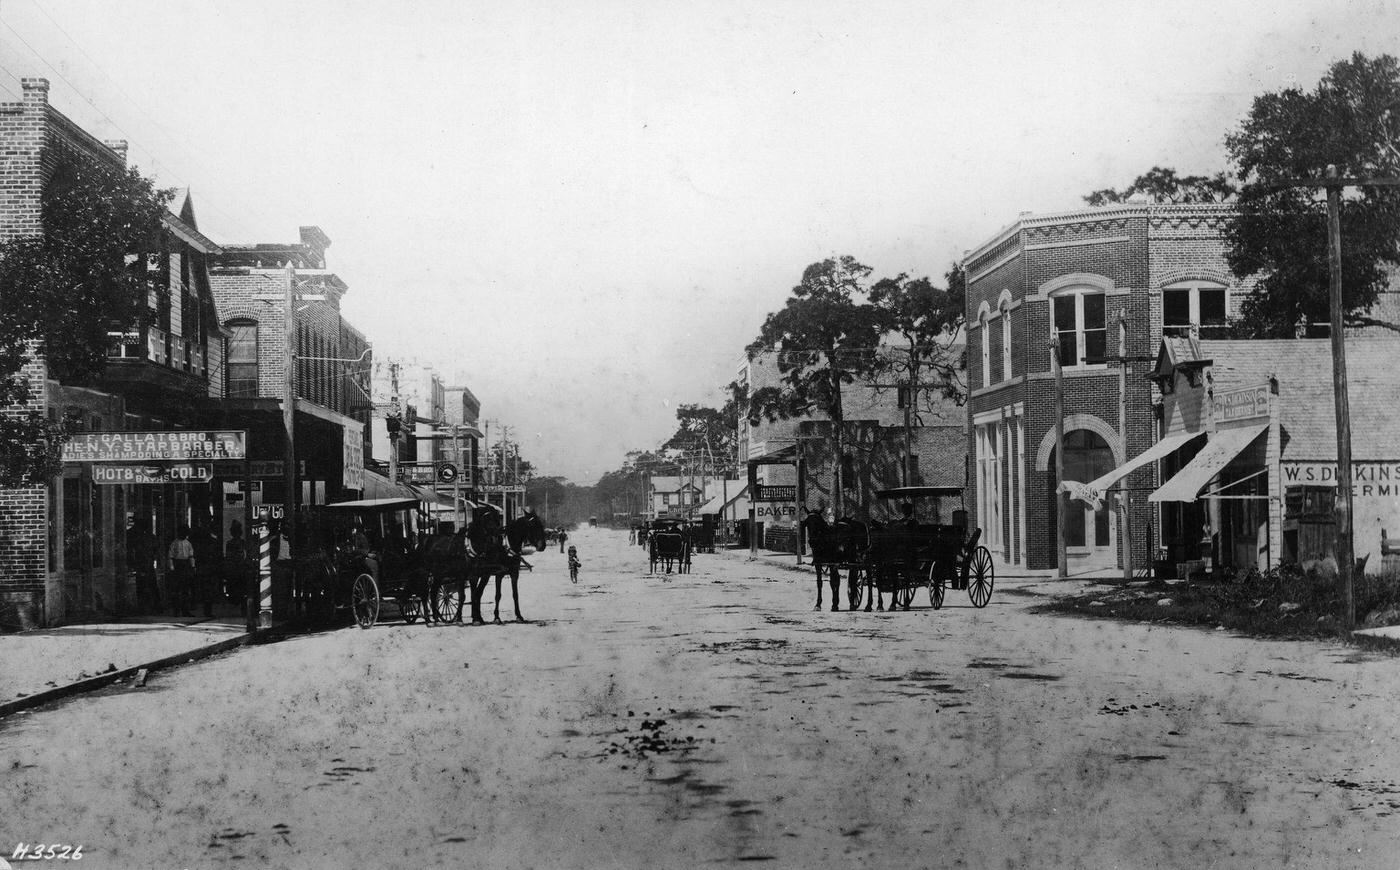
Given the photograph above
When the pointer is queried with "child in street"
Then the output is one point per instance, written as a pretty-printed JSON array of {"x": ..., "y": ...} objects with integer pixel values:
[{"x": 574, "y": 563}]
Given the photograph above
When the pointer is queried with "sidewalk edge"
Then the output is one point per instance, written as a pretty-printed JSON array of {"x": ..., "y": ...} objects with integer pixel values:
[{"x": 39, "y": 699}]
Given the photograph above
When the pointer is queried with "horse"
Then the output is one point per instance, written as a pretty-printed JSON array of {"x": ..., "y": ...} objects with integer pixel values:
[
  {"x": 497, "y": 554},
  {"x": 833, "y": 547}
]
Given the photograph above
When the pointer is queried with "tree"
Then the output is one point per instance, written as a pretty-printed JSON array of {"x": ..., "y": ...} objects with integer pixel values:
[
  {"x": 64, "y": 290},
  {"x": 1162, "y": 184},
  {"x": 825, "y": 336},
  {"x": 711, "y": 433},
  {"x": 928, "y": 321},
  {"x": 1351, "y": 120}
]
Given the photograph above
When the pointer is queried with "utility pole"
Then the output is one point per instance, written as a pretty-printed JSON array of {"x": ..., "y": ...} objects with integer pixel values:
[
  {"x": 1346, "y": 565},
  {"x": 289, "y": 472},
  {"x": 1342, "y": 405},
  {"x": 393, "y": 422},
  {"x": 1124, "y": 496},
  {"x": 1061, "y": 498}
]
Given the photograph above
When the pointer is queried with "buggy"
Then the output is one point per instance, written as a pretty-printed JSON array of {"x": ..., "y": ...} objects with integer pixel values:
[{"x": 668, "y": 545}]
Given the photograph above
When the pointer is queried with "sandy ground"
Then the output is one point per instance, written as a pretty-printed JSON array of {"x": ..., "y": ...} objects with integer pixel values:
[{"x": 714, "y": 718}]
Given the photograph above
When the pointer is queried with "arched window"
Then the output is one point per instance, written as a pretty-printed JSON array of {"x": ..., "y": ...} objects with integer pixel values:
[
  {"x": 242, "y": 360},
  {"x": 1079, "y": 322},
  {"x": 986, "y": 350},
  {"x": 1192, "y": 303},
  {"x": 1005, "y": 342}
]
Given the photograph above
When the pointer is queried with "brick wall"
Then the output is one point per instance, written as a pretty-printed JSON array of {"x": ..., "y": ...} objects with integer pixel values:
[{"x": 24, "y": 528}]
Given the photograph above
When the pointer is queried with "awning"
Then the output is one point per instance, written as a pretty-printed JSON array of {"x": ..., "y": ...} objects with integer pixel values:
[
  {"x": 426, "y": 494},
  {"x": 1223, "y": 446},
  {"x": 1094, "y": 490},
  {"x": 378, "y": 486}
]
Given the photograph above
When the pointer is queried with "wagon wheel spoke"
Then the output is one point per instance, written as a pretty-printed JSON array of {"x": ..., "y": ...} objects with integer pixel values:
[
  {"x": 364, "y": 600},
  {"x": 981, "y": 578},
  {"x": 935, "y": 586}
]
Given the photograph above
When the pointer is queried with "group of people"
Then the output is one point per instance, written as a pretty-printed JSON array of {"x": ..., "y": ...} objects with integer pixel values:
[{"x": 197, "y": 570}]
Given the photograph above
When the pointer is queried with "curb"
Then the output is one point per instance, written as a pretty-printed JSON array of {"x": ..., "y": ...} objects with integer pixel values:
[{"x": 39, "y": 699}]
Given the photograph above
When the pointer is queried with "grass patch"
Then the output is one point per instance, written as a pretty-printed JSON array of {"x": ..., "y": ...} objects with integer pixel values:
[{"x": 1281, "y": 603}]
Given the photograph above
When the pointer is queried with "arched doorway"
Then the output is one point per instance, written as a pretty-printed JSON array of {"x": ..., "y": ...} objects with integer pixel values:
[{"x": 1090, "y": 535}]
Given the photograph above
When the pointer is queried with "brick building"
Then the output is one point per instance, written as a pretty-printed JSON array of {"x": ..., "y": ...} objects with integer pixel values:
[
  {"x": 63, "y": 552},
  {"x": 331, "y": 377},
  {"x": 1108, "y": 283}
]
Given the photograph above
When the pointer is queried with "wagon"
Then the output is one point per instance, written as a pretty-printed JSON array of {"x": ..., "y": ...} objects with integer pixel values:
[
  {"x": 342, "y": 578},
  {"x": 902, "y": 557},
  {"x": 668, "y": 545}
]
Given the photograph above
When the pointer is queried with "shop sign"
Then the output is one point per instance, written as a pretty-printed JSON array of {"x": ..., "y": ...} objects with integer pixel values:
[
  {"x": 1367, "y": 478},
  {"x": 777, "y": 512},
  {"x": 149, "y": 446},
  {"x": 353, "y": 457},
  {"x": 1241, "y": 404},
  {"x": 152, "y": 474},
  {"x": 273, "y": 469},
  {"x": 417, "y": 472},
  {"x": 774, "y": 493}
]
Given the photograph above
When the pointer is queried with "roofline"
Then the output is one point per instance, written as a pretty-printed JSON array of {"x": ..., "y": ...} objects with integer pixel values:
[
  {"x": 188, "y": 234},
  {"x": 1090, "y": 213}
]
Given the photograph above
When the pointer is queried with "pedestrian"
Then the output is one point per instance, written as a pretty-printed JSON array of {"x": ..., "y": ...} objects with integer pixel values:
[
  {"x": 235, "y": 563},
  {"x": 206, "y": 571},
  {"x": 141, "y": 556},
  {"x": 181, "y": 563},
  {"x": 563, "y": 536}
]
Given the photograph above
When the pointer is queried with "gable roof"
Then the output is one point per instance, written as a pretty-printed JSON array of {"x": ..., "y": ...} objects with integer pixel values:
[{"x": 1303, "y": 367}]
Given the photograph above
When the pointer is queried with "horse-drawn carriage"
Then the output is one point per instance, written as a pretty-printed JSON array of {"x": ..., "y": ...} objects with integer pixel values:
[
  {"x": 669, "y": 545},
  {"x": 899, "y": 558},
  {"x": 362, "y": 553}
]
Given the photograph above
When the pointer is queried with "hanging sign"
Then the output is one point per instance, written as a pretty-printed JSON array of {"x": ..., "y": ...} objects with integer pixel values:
[
  {"x": 149, "y": 446},
  {"x": 152, "y": 474}
]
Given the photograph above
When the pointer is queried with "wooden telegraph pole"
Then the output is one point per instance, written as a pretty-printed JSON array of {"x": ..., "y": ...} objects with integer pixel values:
[
  {"x": 1342, "y": 404},
  {"x": 1346, "y": 565}
]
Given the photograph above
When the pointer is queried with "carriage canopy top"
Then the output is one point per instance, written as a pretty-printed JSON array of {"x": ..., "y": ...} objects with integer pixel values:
[{"x": 920, "y": 492}]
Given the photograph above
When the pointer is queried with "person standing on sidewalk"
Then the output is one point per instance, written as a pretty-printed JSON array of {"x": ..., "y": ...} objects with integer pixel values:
[
  {"x": 563, "y": 536},
  {"x": 235, "y": 564},
  {"x": 182, "y": 571},
  {"x": 206, "y": 572},
  {"x": 141, "y": 555}
]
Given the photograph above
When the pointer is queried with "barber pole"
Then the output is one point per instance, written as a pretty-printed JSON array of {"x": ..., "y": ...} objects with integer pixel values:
[{"x": 264, "y": 577}]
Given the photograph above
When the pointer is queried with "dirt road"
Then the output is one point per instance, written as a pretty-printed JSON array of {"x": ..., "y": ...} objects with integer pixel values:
[{"x": 714, "y": 718}]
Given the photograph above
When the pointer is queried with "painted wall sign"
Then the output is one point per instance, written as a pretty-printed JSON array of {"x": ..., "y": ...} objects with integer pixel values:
[
  {"x": 1368, "y": 478},
  {"x": 777, "y": 512},
  {"x": 148, "y": 446},
  {"x": 1241, "y": 404},
  {"x": 152, "y": 474}
]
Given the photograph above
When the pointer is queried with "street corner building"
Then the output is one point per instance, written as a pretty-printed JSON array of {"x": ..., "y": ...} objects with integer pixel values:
[
  {"x": 1183, "y": 449},
  {"x": 183, "y": 426}
]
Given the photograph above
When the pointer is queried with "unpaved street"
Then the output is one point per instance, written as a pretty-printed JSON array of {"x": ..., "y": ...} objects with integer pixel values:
[{"x": 714, "y": 718}]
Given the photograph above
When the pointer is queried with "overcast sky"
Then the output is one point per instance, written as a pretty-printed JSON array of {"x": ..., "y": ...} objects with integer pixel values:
[{"x": 585, "y": 210}]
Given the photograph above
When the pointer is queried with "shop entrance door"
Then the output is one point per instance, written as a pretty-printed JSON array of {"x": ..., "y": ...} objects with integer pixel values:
[{"x": 1091, "y": 539}]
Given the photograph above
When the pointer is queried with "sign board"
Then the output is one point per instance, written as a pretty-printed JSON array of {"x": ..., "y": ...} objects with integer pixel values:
[
  {"x": 155, "y": 446},
  {"x": 353, "y": 455},
  {"x": 258, "y": 469},
  {"x": 500, "y": 487},
  {"x": 1367, "y": 478},
  {"x": 417, "y": 472},
  {"x": 153, "y": 474},
  {"x": 1243, "y": 404},
  {"x": 774, "y": 493},
  {"x": 446, "y": 472}
]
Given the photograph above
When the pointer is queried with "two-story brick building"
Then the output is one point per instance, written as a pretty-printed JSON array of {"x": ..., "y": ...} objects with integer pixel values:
[{"x": 1107, "y": 283}]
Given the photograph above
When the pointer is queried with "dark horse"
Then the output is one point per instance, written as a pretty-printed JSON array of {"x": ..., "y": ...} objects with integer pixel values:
[
  {"x": 832, "y": 548},
  {"x": 497, "y": 554}
]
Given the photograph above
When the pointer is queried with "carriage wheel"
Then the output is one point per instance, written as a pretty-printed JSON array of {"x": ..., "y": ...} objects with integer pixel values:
[
  {"x": 855, "y": 589},
  {"x": 411, "y": 607},
  {"x": 935, "y": 587},
  {"x": 982, "y": 577},
  {"x": 364, "y": 600},
  {"x": 904, "y": 596},
  {"x": 442, "y": 597}
]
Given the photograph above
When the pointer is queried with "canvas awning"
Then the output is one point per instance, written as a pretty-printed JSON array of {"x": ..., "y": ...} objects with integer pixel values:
[
  {"x": 1223, "y": 446},
  {"x": 1094, "y": 490}
]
